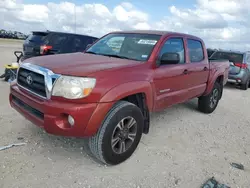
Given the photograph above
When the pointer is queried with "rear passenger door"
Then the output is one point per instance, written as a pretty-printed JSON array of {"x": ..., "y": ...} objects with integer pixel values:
[{"x": 198, "y": 68}]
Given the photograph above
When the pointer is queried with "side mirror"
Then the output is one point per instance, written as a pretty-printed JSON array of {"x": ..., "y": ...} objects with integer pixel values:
[{"x": 170, "y": 58}]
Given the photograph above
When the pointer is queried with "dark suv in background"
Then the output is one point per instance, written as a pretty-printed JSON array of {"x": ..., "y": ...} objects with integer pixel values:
[
  {"x": 49, "y": 42},
  {"x": 239, "y": 72}
]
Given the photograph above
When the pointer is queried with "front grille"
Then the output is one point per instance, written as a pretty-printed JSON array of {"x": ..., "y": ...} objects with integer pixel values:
[
  {"x": 28, "y": 108},
  {"x": 37, "y": 85}
]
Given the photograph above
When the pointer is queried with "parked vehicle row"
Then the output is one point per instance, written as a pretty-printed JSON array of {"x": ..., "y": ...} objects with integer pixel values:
[
  {"x": 107, "y": 93},
  {"x": 12, "y": 35}
]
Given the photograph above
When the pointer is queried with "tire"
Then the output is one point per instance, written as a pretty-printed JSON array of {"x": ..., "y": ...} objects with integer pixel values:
[
  {"x": 245, "y": 86},
  {"x": 204, "y": 103},
  {"x": 100, "y": 144},
  {"x": 7, "y": 75},
  {"x": 86, "y": 147}
]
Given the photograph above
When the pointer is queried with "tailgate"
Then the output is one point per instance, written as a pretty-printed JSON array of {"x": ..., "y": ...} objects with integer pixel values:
[
  {"x": 31, "y": 49},
  {"x": 234, "y": 69}
]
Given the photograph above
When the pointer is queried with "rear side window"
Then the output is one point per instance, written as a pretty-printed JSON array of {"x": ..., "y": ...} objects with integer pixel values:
[
  {"x": 85, "y": 40},
  {"x": 195, "y": 50},
  {"x": 57, "y": 39},
  {"x": 77, "y": 43},
  {"x": 93, "y": 40},
  {"x": 232, "y": 57}
]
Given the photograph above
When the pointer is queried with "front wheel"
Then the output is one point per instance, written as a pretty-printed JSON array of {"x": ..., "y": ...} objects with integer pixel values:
[
  {"x": 119, "y": 135},
  {"x": 207, "y": 104}
]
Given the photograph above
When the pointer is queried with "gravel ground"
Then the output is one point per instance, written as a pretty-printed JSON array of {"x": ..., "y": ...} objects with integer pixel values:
[{"x": 183, "y": 149}]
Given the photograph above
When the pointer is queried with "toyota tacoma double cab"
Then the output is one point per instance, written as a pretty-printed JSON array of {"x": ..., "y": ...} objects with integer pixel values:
[{"x": 106, "y": 93}]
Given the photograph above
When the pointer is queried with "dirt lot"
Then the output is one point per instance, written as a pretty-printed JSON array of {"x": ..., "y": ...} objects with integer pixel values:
[{"x": 183, "y": 149}]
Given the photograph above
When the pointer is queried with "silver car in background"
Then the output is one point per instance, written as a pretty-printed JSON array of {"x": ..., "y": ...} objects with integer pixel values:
[{"x": 239, "y": 72}]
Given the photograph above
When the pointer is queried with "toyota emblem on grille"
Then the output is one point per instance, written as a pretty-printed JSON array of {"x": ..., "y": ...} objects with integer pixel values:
[{"x": 29, "y": 80}]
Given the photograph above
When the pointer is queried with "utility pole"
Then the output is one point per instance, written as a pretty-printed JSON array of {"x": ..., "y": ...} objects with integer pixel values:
[{"x": 75, "y": 16}]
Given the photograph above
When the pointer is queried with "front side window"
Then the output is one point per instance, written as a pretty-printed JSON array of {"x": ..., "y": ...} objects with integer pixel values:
[
  {"x": 195, "y": 50},
  {"x": 174, "y": 45},
  {"x": 127, "y": 46}
]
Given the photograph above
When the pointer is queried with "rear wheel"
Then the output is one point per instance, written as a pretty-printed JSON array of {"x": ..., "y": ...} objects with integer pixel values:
[
  {"x": 207, "y": 104},
  {"x": 119, "y": 135},
  {"x": 246, "y": 85}
]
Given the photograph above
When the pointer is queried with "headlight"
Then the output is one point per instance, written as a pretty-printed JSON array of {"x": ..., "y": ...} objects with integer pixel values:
[{"x": 73, "y": 87}]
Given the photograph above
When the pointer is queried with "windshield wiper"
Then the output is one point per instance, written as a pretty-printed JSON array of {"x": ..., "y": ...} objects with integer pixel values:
[
  {"x": 114, "y": 55},
  {"x": 90, "y": 52},
  {"x": 110, "y": 55}
]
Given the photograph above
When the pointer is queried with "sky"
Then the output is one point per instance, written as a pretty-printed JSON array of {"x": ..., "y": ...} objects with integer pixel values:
[{"x": 220, "y": 23}]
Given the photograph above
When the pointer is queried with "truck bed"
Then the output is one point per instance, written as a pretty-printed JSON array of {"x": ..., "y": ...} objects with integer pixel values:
[{"x": 220, "y": 65}]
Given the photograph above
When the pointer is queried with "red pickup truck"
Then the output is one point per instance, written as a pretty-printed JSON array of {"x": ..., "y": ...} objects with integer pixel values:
[{"x": 107, "y": 93}]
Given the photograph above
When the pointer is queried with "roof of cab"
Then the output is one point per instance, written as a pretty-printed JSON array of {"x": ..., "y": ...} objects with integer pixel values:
[{"x": 155, "y": 32}]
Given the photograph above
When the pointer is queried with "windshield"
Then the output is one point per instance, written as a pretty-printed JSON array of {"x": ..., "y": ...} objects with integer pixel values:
[
  {"x": 127, "y": 46},
  {"x": 232, "y": 57},
  {"x": 37, "y": 37}
]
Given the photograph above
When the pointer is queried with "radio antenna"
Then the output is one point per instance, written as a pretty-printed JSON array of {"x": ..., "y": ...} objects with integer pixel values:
[{"x": 75, "y": 16}]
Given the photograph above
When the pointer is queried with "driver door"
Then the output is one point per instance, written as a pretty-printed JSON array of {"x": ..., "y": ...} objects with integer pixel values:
[{"x": 171, "y": 80}]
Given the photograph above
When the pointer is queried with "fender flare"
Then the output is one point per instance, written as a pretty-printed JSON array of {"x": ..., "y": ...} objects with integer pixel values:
[
  {"x": 115, "y": 94},
  {"x": 130, "y": 88},
  {"x": 212, "y": 82}
]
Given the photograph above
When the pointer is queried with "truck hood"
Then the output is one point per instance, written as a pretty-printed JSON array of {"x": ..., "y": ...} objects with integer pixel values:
[{"x": 79, "y": 64}]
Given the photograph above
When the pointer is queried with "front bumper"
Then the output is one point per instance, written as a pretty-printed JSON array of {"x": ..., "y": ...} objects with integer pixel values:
[
  {"x": 231, "y": 81},
  {"x": 52, "y": 116}
]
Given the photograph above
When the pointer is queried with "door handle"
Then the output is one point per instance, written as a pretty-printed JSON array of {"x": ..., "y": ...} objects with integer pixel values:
[
  {"x": 185, "y": 71},
  {"x": 205, "y": 69}
]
